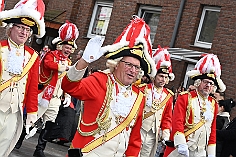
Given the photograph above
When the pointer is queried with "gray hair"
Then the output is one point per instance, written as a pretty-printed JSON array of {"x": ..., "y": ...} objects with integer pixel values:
[
  {"x": 197, "y": 82},
  {"x": 111, "y": 63}
]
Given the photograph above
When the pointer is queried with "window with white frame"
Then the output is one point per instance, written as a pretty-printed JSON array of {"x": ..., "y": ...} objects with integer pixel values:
[
  {"x": 207, "y": 27},
  {"x": 100, "y": 18},
  {"x": 151, "y": 16}
]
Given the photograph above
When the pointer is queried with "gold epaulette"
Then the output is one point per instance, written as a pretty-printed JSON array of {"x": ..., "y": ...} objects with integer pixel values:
[
  {"x": 142, "y": 85},
  {"x": 185, "y": 92},
  {"x": 69, "y": 62},
  {"x": 213, "y": 98},
  {"x": 170, "y": 91},
  {"x": 106, "y": 71}
]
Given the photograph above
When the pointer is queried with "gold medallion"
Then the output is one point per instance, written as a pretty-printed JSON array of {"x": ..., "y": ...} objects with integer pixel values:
[
  {"x": 156, "y": 104},
  {"x": 18, "y": 53},
  {"x": 126, "y": 94}
]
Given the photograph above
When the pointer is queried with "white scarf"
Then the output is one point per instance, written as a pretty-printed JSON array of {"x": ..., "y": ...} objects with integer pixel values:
[
  {"x": 123, "y": 100},
  {"x": 15, "y": 60}
]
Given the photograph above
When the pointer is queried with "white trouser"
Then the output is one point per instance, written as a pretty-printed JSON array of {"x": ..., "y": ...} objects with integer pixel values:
[
  {"x": 50, "y": 113},
  {"x": 195, "y": 153},
  {"x": 8, "y": 128},
  {"x": 148, "y": 143},
  {"x": 198, "y": 153}
]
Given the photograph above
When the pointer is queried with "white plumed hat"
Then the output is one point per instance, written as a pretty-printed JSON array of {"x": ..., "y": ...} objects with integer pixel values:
[
  {"x": 134, "y": 41},
  {"x": 208, "y": 67},
  {"x": 26, "y": 12},
  {"x": 162, "y": 61},
  {"x": 68, "y": 33}
]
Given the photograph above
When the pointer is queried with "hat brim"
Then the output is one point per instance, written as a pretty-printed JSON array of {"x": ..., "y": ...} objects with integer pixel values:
[
  {"x": 206, "y": 76},
  {"x": 72, "y": 43},
  {"x": 146, "y": 62},
  {"x": 19, "y": 21},
  {"x": 163, "y": 70},
  {"x": 136, "y": 52}
]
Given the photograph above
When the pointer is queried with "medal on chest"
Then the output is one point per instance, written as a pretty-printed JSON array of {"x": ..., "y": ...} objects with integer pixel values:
[
  {"x": 18, "y": 53},
  {"x": 156, "y": 104},
  {"x": 203, "y": 109},
  {"x": 206, "y": 111},
  {"x": 156, "y": 99}
]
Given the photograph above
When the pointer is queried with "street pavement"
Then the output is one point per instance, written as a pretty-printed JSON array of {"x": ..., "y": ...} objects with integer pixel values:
[{"x": 28, "y": 147}]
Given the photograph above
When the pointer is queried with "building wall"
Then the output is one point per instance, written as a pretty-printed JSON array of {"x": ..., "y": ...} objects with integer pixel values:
[
  {"x": 61, "y": 5},
  {"x": 224, "y": 38}
]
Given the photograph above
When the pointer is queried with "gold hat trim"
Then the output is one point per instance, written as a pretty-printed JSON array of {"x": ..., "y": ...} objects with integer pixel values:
[
  {"x": 209, "y": 75},
  {"x": 34, "y": 22},
  {"x": 135, "y": 50},
  {"x": 165, "y": 70},
  {"x": 27, "y": 22},
  {"x": 69, "y": 42}
]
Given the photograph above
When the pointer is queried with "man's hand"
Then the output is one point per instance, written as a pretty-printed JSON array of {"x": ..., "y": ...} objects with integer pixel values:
[
  {"x": 183, "y": 149},
  {"x": 93, "y": 50}
]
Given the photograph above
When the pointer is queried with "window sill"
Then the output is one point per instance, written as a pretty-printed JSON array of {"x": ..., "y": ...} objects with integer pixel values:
[{"x": 203, "y": 47}]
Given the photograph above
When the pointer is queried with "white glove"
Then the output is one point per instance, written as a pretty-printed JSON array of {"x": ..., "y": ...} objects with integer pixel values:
[
  {"x": 67, "y": 101},
  {"x": 183, "y": 149},
  {"x": 31, "y": 133},
  {"x": 93, "y": 49},
  {"x": 31, "y": 118},
  {"x": 27, "y": 129}
]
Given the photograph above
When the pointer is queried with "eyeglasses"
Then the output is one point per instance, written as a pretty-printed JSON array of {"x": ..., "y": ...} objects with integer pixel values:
[
  {"x": 22, "y": 28},
  {"x": 208, "y": 82},
  {"x": 130, "y": 65}
]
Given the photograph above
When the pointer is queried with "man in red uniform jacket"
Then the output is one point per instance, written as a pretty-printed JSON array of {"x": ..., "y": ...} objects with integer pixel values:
[
  {"x": 19, "y": 72},
  {"x": 158, "y": 109},
  {"x": 112, "y": 112},
  {"x": 53, "y": 68},
  {"x": 194, "y": 117}
]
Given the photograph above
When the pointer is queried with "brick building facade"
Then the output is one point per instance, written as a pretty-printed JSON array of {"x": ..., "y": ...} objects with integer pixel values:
[{"x": 178, "y": 26}]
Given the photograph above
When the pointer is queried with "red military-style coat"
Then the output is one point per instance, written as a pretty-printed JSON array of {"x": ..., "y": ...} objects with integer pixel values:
[
  {"x": 185, "y": 117},
  {"x": 164, "y": 113},
  {"x": 18, "y": 92},
  {"x": 52, "y": 64},
  {"x": 30, "y": 92},
  {"x": 92, "y": 90},
  {"x": 156, "y": 118}
]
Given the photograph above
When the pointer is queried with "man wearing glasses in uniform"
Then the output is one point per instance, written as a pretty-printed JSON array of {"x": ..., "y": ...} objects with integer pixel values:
[
  {"x": 112, "y": 112},
  {"x": 19, "y": 66},
  {"x": 194, "y": 117}
]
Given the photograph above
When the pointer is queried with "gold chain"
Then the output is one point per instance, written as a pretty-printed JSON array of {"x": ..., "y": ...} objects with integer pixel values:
[
  {"x": 44, "y": 76},
  {"x": 102, "y": 119},
  {"x": 188, "y": 112}
]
